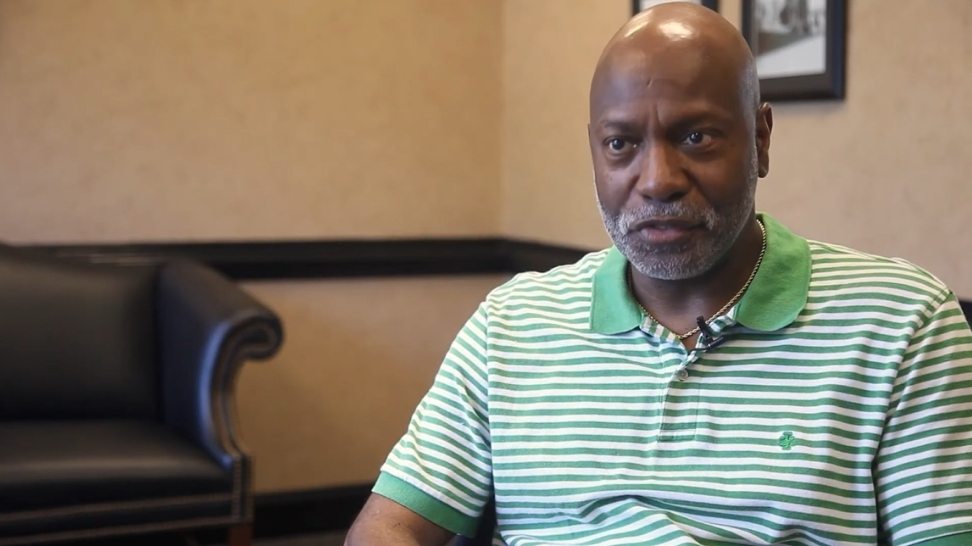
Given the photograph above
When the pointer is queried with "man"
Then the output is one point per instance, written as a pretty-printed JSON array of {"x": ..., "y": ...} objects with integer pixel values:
[{"x": 713, "y": 379}]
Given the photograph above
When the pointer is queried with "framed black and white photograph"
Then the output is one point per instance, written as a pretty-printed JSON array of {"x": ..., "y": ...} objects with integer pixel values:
[
  {"x": 641, "y": 5},
  {"x": 799, "y": 47}
]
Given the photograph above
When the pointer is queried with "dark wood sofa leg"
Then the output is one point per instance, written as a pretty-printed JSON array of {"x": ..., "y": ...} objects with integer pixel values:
[{"x": 240, "y": 535}]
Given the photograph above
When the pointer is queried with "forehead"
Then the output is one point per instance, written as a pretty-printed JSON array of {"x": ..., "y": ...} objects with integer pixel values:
[{"x": 665, "y": 76}]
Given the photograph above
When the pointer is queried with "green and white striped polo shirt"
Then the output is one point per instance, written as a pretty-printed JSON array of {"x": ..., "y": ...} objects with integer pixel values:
[{"x": 837, "y": 410}]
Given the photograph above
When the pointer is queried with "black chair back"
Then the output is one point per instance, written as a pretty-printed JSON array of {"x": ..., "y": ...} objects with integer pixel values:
[{"x": 76, "y": 340}]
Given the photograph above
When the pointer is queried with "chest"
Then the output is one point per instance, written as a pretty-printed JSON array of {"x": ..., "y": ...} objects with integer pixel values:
[{"x": 763, "y": 431}]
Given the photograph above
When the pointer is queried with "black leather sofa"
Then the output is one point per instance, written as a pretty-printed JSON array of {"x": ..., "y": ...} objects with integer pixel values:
[{"x": 116, "y": 406}]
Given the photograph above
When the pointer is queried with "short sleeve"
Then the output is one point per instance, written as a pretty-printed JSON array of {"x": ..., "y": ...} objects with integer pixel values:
[
  {"x": 441, "y": 468},
  {"x": 923, "y": 470}
]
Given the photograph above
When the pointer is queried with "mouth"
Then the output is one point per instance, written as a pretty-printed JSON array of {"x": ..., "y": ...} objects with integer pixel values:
[{"x": 666, "y": 230}]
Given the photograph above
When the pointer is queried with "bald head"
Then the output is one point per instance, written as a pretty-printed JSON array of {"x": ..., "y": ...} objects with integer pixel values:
[
  {"x": 678, "y": 141},
  {"x": 699, "y": 44}
]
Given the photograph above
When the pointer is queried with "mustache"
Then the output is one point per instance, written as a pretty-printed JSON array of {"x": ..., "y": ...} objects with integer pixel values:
[{"x": 649, "y": 211}]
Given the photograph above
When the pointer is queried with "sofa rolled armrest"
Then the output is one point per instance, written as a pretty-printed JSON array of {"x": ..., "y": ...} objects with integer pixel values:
[{"x": 208, "y": 328}]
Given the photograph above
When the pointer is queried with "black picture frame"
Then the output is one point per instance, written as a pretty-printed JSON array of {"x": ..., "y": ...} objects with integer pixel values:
[
  {"x": 823, "y": 85},
  {"x": 638, "y": 5}
]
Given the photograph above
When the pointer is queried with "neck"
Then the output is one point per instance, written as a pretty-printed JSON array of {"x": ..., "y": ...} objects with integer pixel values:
[{"x": 678, "y": 303}]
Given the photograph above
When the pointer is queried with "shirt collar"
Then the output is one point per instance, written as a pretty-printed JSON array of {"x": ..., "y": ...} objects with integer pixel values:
[
  {"x": 774, "y": 299},
  {"x": 613, "y": 309},
  {"x": 779, "y": 290}
]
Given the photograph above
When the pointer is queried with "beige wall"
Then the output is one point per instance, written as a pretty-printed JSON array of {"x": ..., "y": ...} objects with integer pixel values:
[
  {"x": 240, "y": 119},
  {"x": 883, "y": 171},
  {"x": 358, "y": 356},
  {"x": 549, "y": 54}
]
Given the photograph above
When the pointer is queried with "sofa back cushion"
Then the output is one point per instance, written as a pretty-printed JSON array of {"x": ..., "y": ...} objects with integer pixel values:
[{"x": 76, "y": 339}]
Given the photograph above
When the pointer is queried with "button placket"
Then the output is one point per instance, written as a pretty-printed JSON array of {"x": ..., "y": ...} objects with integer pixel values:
[
  {"x": 680, "y": 428},
  {"x": 682, "y": 373}
]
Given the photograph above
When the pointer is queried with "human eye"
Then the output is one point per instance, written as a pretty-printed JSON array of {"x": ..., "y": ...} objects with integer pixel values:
[
  {"x": 618, "y": 145},
  {"x": 697, "y": 138}
]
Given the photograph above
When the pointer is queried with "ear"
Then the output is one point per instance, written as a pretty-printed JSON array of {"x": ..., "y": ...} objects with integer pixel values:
[{"x": 764, "y": 127}]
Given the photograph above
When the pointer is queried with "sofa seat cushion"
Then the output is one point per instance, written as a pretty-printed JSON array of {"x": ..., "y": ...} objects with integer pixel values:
[{"x": 47, "y": 464}]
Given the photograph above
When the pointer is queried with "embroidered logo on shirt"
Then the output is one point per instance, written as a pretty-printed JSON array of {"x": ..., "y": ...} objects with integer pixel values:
[{"x": 787, "y": 440}]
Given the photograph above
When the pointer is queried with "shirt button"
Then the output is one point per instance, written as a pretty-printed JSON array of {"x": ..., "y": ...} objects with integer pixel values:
[{"x": 682, "y": 374}]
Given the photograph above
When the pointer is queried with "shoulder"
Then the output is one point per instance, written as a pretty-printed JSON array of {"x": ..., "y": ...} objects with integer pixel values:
[
  {"x": 839, "y": 272},
  {"x": 562, "y": 283}
]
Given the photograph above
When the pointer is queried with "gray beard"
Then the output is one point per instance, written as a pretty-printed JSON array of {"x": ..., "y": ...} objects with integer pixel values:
[{"x": 684, "y": 261}]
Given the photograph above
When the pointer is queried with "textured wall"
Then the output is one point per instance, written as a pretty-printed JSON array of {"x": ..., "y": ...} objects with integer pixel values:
[
  {"x": 358, "y": 356},
  {"x": 549, "y": 54},
  {"x": 228, "y": 119},
  {"x": 883, "y": 171}
]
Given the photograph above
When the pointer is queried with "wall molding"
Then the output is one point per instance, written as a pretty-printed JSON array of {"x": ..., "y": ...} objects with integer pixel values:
[
  {"x": 248, "y": 260},
  {"x": 308, "y": 510},
  {"x": 286, "y": 259},
  {"x": 277, "y": 514}
]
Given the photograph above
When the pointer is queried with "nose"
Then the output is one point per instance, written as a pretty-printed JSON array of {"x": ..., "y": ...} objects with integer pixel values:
[{"x": 661, "y": 177}]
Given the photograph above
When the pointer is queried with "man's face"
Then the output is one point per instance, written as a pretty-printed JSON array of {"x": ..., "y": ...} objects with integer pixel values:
[{"x": 675, "y": 159}]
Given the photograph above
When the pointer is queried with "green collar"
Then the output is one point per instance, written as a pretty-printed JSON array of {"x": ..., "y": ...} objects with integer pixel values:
[{"x": 774, "y": 299}]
